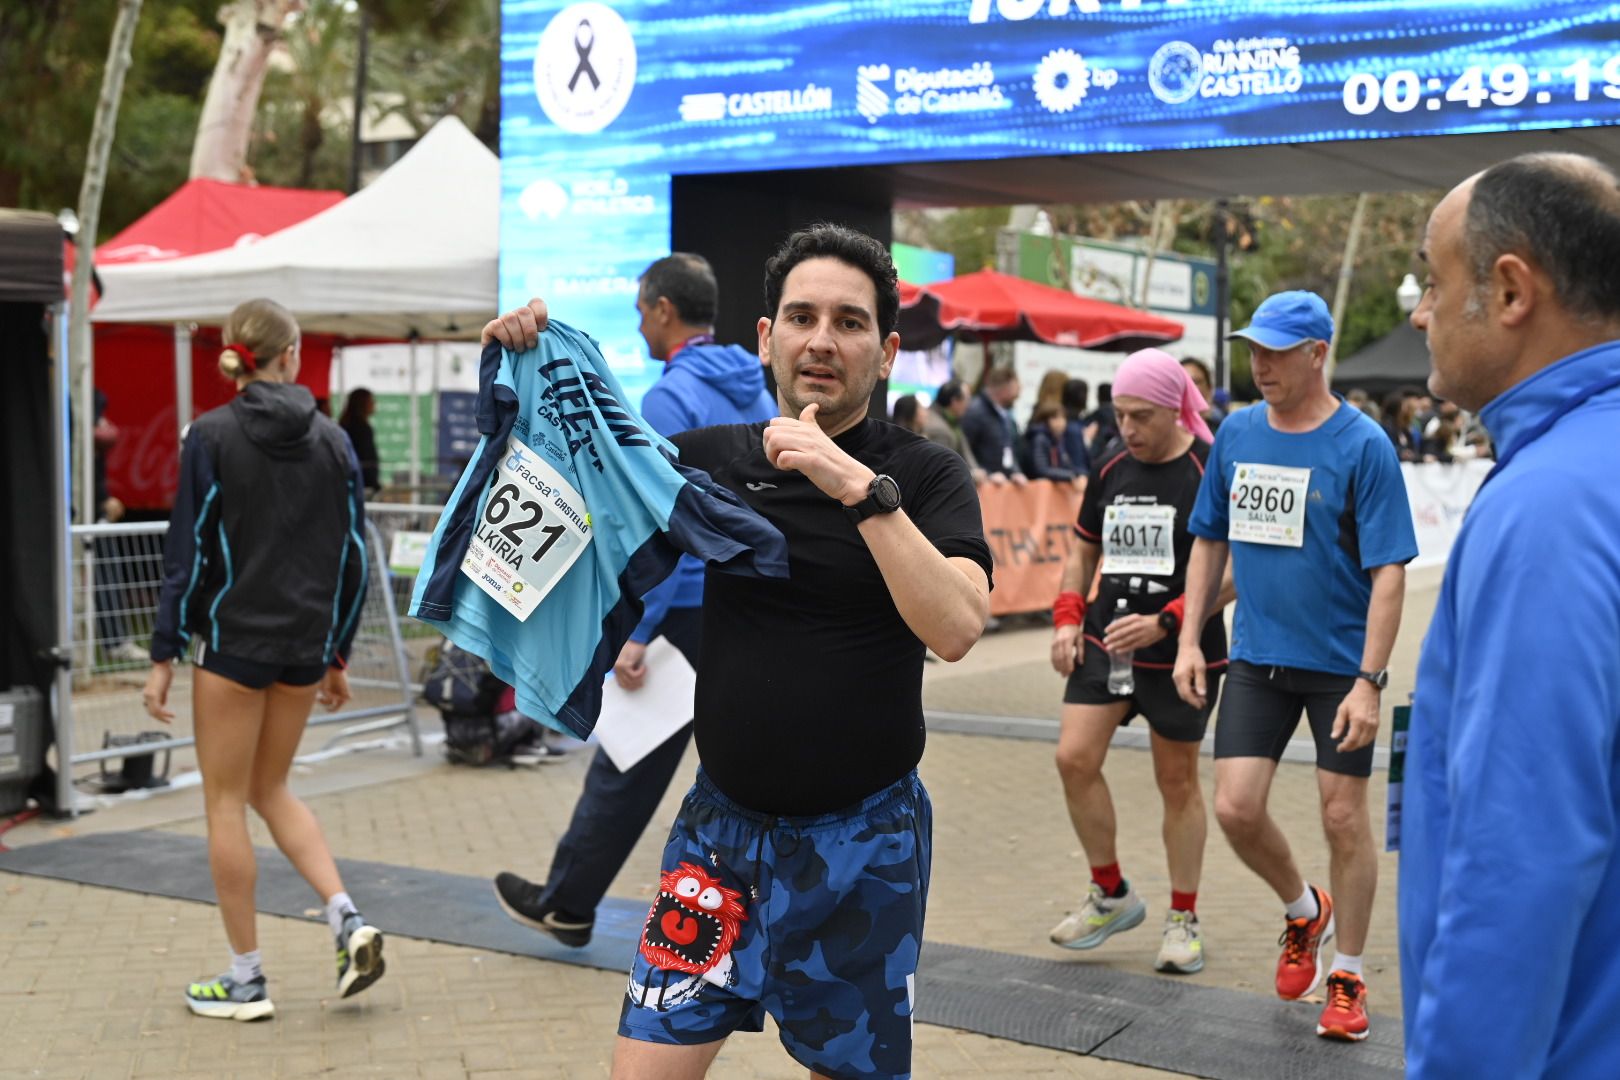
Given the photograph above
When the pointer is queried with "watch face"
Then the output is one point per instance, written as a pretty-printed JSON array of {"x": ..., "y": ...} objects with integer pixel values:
[{"x": 886, "y": 493}]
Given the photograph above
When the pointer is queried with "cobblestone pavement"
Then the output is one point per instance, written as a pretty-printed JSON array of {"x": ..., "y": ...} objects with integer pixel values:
[{"x": 90, "y": 978}]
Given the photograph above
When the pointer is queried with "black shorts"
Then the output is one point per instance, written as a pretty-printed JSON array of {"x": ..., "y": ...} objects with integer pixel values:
[
  {"x": 1262, "y": 708},
  {"x": 256, "y": 675},
  {"x": 1155, "y": 698}
]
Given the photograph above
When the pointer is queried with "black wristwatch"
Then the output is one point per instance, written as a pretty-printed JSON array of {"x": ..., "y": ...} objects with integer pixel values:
[
  {"x": 1169, "y": 623},
  {"x": 882, "y": 497},
  {"x": 1379, "y": 678}
]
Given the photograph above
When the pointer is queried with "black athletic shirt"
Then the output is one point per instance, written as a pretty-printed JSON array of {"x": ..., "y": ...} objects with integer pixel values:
[
  {"x": 1124, "y": 480},
  {"x": 809, "y": 694}
]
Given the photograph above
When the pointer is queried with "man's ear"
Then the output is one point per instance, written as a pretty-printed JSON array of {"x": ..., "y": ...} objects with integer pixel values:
[
  {"x": 891, "y": 345},
  {"x": 1516, "y": 288},
  {"x": 764, "y": 341}
]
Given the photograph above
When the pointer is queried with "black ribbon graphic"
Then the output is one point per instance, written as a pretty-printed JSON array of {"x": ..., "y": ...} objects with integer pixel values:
[{"x": 584, "y": 39}]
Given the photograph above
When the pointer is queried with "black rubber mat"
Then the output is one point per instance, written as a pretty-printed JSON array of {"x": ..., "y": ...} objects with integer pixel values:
[{"x": 1064, "y": 1005}]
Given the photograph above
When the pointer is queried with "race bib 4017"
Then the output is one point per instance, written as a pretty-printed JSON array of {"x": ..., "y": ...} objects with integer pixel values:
[
  {"x": 1139, "y": 540},
  {"x": 532, "y": 528},
  {"x": 1268, "y": 505}
]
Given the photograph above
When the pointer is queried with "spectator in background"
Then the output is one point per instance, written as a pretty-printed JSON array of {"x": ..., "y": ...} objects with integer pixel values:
[
  {"x": 1204, "y": 380},
  {"x": 1101, "y": 428},
  {"x": 1075, "y": 395},
  {"x": 1358, "y": 397},
  {"x": 943, "y": 424},
  {"x": 1400, "y": 407},
  {"x": 991, "y": 433},
  {"x": 910, "y": 413},
  {"x": 1441, "y": 434},
  {"x": 1048, "y": 459},
  {"x": 356, "y": 422}
]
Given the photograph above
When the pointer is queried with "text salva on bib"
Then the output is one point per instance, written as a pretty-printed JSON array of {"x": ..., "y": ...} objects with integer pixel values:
[
  {"x": 1268, "y": 504},
  {"x": 532, "y": 528},
  {"x": 1139, "y": 540}
]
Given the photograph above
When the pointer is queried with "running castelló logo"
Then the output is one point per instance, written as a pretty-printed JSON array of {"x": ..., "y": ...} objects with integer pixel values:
[{"x": 585, "y": 67}]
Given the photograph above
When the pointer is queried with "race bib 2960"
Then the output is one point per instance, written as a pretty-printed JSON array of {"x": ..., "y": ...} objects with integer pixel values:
[
  {"x": 1268, "y": 504},
  {"x": 532, "y": 528}
]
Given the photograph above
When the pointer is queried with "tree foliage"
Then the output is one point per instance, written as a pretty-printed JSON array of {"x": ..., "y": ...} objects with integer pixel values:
[{"x": 440, "y": 56}]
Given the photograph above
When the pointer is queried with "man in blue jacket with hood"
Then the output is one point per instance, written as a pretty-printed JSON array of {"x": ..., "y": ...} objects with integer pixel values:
[
  {"x": 1509, "y": 870},
  {"x": 702, "y": 384}
]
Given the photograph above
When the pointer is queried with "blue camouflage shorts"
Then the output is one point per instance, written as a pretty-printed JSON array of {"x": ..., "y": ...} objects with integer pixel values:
[{"x": 816, "y": 920}]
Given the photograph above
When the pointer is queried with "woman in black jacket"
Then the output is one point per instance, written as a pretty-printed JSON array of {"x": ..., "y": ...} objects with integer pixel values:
[{"x": 264, "y": 575}]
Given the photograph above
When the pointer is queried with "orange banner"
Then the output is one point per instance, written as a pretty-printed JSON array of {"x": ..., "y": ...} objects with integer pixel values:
[{"x": 1030, "y": 531}]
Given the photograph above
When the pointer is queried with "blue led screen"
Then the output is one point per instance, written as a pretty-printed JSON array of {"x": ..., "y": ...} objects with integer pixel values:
[{"x": 604, "y": 102}]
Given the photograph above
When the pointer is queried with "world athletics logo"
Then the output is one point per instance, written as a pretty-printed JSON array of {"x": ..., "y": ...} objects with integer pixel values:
[{"x": 1175, "y": 72}]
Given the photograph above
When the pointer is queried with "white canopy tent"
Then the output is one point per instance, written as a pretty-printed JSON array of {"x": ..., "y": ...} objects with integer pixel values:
[{"x": 413, "y": 255}]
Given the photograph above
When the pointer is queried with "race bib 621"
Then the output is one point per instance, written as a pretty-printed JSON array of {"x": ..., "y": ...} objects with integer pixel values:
[{"x": 532, "y": 528}]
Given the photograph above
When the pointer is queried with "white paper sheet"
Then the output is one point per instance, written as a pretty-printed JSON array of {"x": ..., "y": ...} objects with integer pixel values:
[{"x": 634, "y": 723}]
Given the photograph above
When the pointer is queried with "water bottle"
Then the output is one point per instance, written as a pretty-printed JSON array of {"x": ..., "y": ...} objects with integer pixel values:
[{"x": 1121, "y": 681}]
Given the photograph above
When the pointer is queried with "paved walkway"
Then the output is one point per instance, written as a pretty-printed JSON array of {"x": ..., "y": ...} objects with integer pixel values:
[{"x": 90, "y": 979}]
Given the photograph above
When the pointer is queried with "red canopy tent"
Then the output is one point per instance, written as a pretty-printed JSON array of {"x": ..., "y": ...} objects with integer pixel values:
[
  {"x": 135, "y": 364},
  {"x": 992, "y": 306}
]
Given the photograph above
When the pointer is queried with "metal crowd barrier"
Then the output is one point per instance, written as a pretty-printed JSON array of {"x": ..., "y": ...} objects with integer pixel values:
[{"x": 115, "y": 579}]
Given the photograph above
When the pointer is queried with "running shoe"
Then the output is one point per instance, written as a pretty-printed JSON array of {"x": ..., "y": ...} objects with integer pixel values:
[
  {"x": 1182, "y": 951},
  {"x": 359, "y": 955},
  {"x": 521, "y": 900},
  {"x": 1299, "y": 969},
  {"x": 1099, "y": 917},
  {"x": 1345, "y": 1016},
  {"x": 226, "y": 999}
]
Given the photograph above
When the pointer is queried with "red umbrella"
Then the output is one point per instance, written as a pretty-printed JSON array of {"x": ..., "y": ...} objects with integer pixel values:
[
  {"x": 925, "y": 319},
  {"x": 998, "y": 307}
]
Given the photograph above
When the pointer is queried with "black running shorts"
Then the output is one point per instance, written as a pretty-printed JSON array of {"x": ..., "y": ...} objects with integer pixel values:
[
  {"x": 1261, "y": 710},
  {"x": 255, "y": 675},
  {"x": 1155, "y": 698}
]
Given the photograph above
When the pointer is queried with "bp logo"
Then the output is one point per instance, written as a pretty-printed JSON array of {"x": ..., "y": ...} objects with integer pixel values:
[
  {"x": 1175, "y": 72},
  {"x": 585, "y": 67}
]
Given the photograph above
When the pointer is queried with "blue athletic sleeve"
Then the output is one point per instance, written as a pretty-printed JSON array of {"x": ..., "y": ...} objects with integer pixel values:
[
  {"x": 1526, "y": 763},
  {"x": 1209, "y": 516},
  {"x": 356, "y": 563},
  {"x": 1384, "y": 529},
  {"x": 185, "y": 556},
  {"x": 666, "y": 413}
]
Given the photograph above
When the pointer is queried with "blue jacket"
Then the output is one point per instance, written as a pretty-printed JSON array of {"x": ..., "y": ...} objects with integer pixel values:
[
  {"x": 1509, "y": 871},
  {"x": 702, "y": 385}
]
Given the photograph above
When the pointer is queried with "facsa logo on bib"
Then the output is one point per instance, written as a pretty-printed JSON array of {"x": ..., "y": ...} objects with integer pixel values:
[{"x": 585, "y": 67}]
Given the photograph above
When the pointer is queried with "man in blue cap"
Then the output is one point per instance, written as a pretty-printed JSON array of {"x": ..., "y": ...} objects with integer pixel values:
[{"x": 1305, "y": 492}]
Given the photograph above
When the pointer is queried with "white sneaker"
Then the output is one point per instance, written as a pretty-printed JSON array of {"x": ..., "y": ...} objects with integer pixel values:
[
  {"x": 1182, "y": 952},
  {"x": 127, "y": 652},
  {"x": 1099, "y": 917}
]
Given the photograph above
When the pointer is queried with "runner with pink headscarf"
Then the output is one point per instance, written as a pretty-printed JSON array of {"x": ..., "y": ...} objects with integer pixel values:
[
  {"x": 1132, "y": 540},
  {"x": 1156, "y": 376}
]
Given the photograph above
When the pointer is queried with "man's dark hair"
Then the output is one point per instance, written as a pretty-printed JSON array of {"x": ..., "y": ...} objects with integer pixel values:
[
  {"x": 1562, "y": 213},
  {"x": 1105, "y": 394},
  {"x": 1075, "y": 395},
  {"x": 824, "y": 240},
  {"x": 949, "y": 393},
  {"x": 687, "y": 281},
  {"x": 998, "y": 376},
  {"x": 905, "y": 410}
]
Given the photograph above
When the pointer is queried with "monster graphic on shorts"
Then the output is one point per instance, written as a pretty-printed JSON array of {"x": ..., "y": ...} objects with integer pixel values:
[{"x": 693, "y": 922}]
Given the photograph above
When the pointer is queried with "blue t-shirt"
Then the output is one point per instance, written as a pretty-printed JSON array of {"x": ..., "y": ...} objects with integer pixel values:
[
  {"x": 1306, "y": 607},
  {"x": 563, "y": 404}
]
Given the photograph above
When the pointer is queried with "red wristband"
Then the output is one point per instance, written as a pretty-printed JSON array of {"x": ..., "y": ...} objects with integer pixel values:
[
  {"x": 1178, "y": 608},
  {"x": 1069, "y": 609}
]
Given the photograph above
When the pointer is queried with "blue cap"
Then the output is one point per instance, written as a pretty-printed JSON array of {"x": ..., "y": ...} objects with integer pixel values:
[{"x": 1285, "y": 319}]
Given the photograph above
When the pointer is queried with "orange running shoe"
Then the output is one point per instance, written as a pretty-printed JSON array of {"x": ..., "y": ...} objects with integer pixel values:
[
  {"x": 1346, "y": 1014},
  {"x": 1299, "y": 969}
]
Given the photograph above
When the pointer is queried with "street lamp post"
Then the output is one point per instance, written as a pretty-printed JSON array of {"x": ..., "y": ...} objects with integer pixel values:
[{"x": 1408, "y": 294}]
